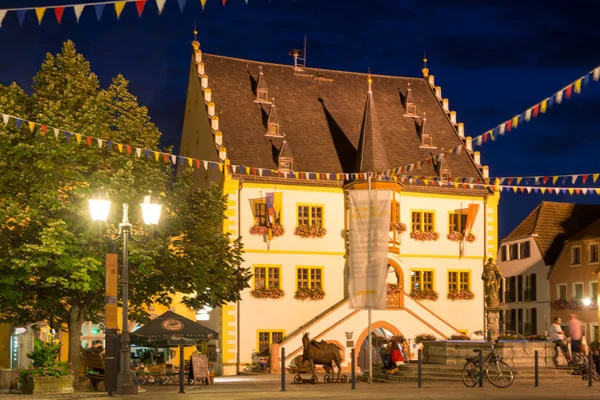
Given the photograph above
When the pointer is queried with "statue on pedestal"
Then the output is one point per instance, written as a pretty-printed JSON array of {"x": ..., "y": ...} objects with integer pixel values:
[{"x": 491, "y": 277}]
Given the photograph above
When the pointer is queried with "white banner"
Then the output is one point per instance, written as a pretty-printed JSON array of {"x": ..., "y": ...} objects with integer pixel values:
[{"x": 369, "y": 229}]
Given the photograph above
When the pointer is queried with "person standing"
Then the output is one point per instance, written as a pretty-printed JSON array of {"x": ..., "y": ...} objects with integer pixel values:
[
  {"x": 557, "y": 336},
  {"x": 575, "y": 333}
]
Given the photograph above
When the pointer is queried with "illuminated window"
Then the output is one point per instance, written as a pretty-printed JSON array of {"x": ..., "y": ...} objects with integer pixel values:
[
  {"x": 262, "y": 95},
  {"x": 266, "y": 276},
  {"x": 411, "y": 109},
  {"x": 266, "y": 338},
  {"x": 310, "y": 215},
  {"x": 426, "y": 141},
  {"x": 309, "y": 277},
  {"x": 422, "y": 221},
  {"x": 260, "y": 213},
  {"x": 459, "y": 280},
  {"x": 421, "y": 279},
  {"x": 457, "y": 222}
]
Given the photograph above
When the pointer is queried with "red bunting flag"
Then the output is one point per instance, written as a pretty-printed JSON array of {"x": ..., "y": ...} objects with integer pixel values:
[
  {"x": 166, "y": 157},
  {"x": 584, "y": 178},
  {"x": 568, "y": 91},
  {"x": 58, "y": 11},
  {"x": 89, "y": 140},
  {"x": 139, "y": 4},
  {"x": 128, "y": 149},
  {"x": 545, "y": 180},
  {"x": 510, "y": 180},
  {"x": 44, "y": 130},
  {"x": 485, "y": 137},
  {"x": 535, "y": 111},
  {"x": 197, "y": 163},
  {"x": 578, "y": 191},
  {"x": 224, "y": 2}
]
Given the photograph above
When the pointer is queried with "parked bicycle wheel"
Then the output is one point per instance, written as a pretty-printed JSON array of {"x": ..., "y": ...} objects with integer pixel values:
[
  {"x": 499, "y": 374},
  {"x": 470, "y": 374}
]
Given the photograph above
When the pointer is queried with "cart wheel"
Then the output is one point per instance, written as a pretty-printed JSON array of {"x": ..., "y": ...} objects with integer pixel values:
[
  {"x": 327, "y": 379},
  {"x": 344, "y": 379},
  {"x": 314, "y": 379},
  {"x": 297, "y": 379}
]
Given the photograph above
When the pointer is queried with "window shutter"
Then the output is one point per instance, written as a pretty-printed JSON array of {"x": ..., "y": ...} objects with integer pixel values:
[
  {"x": 520, "y": 287},
  {"x": 513, "y": 319},
  {"x": 513, "y": 288},
  {"x": 534, "y": 320},
  {"x": 501, "y": 291},
  {"x": 520, "y": 321},
  {"x": 533, "y": 287}
]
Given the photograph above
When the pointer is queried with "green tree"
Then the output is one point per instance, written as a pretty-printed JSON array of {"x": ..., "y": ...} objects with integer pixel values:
[{"x": 52, "y": 254}]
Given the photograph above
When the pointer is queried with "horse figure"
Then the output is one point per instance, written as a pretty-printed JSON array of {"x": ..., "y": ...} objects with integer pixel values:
[{"x": 321, "y": 353}]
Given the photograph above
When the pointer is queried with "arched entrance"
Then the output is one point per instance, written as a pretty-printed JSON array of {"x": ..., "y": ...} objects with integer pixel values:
[
  {"x": 395, "y": 285},
  {"x": 362, "y": 344}
]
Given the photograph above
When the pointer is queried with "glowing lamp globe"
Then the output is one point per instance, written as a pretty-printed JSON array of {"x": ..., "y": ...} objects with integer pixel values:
[
  {"x": 151, "y": 210},
  {"x": 587, "y": 302},
  {"x": 99, "y": 206}
]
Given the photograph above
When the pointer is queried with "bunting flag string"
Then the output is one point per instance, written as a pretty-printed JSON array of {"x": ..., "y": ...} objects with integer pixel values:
[
  {"x": 118, "y": 5},
  {"x": 513, "y": 123},
  {"x": 531, "y": 183}
]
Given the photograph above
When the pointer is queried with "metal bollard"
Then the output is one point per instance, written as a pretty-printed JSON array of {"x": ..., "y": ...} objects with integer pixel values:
[
  {"x": 353, "y": 369},
  {"x": 419, "y": 368},
  {"x": 181, "y": 370},
  {"x": 535, "y": 365},
  {"x": 591, "y": 369},
  {"x": 480, "y": 369},
  {"x": 283, "y": 369}
]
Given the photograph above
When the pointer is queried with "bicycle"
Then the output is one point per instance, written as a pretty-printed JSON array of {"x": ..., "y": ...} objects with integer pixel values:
[{"x": 497, "y": 372}]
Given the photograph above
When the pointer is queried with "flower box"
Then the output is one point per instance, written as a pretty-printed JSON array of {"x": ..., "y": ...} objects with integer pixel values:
[
  {"x": 424, "y": 337},
  {"x": 306, "y": 293},
  {"x": 267, "y": 293},
  {"x": 260, "y": 230},
  {"x": 310, "y": 231},
  {"x": 48, "y": 385},
  {"x": 424, "y": 236},
  {"x": 457, "y": 237},
  {"x": 427, "y": 294},
  {"x": 393, "y": 288},
  {"x": 460, "y": 295},
  {"x": 398, "y": 227},
  {"x": 459, "y": 336}
]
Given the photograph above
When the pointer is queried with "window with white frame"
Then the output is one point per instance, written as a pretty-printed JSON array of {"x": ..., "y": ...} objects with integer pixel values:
[
  {"x": 513, "y": 251},
  {"x": 594, "y": 291},
  {"x": 576, "y": 255},
  {"x": 593, "y": 252},
  {"x": 524, "y": 250},
  {"x": 578, "y": 290},
  {"x": 561, "y": 291}
]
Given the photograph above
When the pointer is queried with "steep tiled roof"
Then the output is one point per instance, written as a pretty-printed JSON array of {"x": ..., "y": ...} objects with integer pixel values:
[
  {"x": 322, "y": 117},
  {"x": 591, "y": 232},
  {"x": 371, "y": 150},
  {"x": 554, "y": 223}
]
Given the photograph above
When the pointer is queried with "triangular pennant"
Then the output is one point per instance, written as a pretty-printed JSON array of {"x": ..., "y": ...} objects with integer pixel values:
[
  {"x": 44, "y": 130},
  {"x": 78, "y": 9},
  {"x": 58, "y": 12},
  {"x": 260, "y": 172},
  {"x": 18, "y": 123},
  {"x": 574, "y": 179},
  {"x": 501, "y": 129},
  {"x": 56, "y": 132},
  {"x": 595, "y": 177},
  {"x": 479, "y": 140},
  {"x": 99, "y": 142},
  {"x": 203, "y": 3},
  {"x": 156, "y": 155},
  {"x": 119, "y": 5},
  {"x": 206, "y": 167},
  {"x": 559, "y": 96},
  {"x": 109, "y": 145},
  {"x": 165, "y": 157},
  {"x": 212, "y": 165},
  {"x": 577, "y": 191},
  {"x": 528, "y": 189},
  {"x": 514, "y": 188},
  {"x": 550, "y": 101},
  {"x": 138, "y": 152},
  {"x": 190, "y": 162},
  {"x": 543, "y": 190},
  {"x": 3, "y": 14},
  {"x": 89, "y": 140},
  {"x": 519, "y": 180},
  {"x": 577, "y": 86},
  {"x": 568, "y": 91},
  {"x": 247, "y": 171},
  {"x": 554, "y": 179},
  {"x": 39, "y": 12},
  {"x": 515, "y": 121},
  {"x": 597, "y": 191},
  {"x": 31, "y": 126},
  {"x": 148, "y": 154},
  {"x": 99, "y": 8},
  {"x": 595, "y": 73},
  {"x": 508, "y": 126},
  {"x": 528, "y": 114},
  {"x": 510, "y": 181},
  {"x": 522, "y": 189},
  {"x": 21, "y": 16},
  {"x": 128, "y": 148},
  {"x": 160, "y": 4},
  {"x": 182, "y": 4},
  {"x": 173, "y": 159},
  {"x": 543, "y": 106},
  {"x": 571, "y": 191},
  {"x": 220, "y": 167},
  {"x": 535, "y": 110},
  {"x": 139, "y": 4},
  {"x": 67, "y": 135},
  {"x": 197, "y": 163},
  {"x": 5, "y": 119},
  {"x": 78, "y": 137},
  {"x": 584, "y": 191},
  {"x": 563, "y": 191},
  {"x": 586, "y": 80},
  {"x": 584, "y": 178},
  {"x": 120, "y": 147}
]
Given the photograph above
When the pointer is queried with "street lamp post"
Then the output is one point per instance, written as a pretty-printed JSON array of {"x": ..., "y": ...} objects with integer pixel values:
[{"x": 99, "y": 208}]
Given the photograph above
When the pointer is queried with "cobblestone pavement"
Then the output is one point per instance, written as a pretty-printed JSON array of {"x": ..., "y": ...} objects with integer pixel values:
[{"x": 268, "y": 387}]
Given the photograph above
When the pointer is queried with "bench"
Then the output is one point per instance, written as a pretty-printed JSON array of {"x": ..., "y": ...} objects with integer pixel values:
[{"x": 92, "y": 364}]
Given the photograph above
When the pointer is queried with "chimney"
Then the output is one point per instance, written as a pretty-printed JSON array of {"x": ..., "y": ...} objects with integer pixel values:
[
  {"x": 486, "y": 172},
  {"x": 296, "y": 54},
  {"x": 453, "y": 117},
  {"x": 446, "y": 105},
  {"x": 204, "y": 81},
  {"x": 469, "y": 143},
  {"x": 461, "y": 130},
  {"x": 477, "y": 158},
  {"x": 222, "y": 153},
  {"x": 219, "y": 138},
  {"x": 211, "y": 109},
  {"x": 431, "y": 80},
  {"x": 215, "y": 123},
  {"x": 207, "y": 95},
  {"x": 200, "y": 66},
  {"x": 438, "y": 92}
]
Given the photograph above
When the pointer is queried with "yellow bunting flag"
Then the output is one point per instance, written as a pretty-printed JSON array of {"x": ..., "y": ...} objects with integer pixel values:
[
  {"x": 519, "y": 181},
  {"x": 247, "y": 170},
  {"x": 595, "y": 176},
  {"x": 597, "y": 191},
  {"x": 515, "y": 122},
  {"x": 156, "y": 155},
  {"x": 571, "y": 191},
  {"x": 577, "y": 86},
  {"x": 554, "y": 179},
  {"x": 203, "y": 2},
  {"x": 120, "y": 146},
  {"x": 119, "y": 5},
  {"x": 220, "y": 167},
  {"x": 543, "y": 190},
  {"x": 515, "y": 189},
  {"x": 543, "y": 106},
  {"x": 456, "y": 185},
  {"x": 78, "y": 136},
  {"x": 40, "y": 14},
  {"x": 31, "y": 126},
  {"x": 190, "y": 161}
]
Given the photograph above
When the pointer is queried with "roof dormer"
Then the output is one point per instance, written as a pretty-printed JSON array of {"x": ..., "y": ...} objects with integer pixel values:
[
  {"x": 426, "y": 139},
  {"x": 273, "y": 127},
  {"x": 409, "y": 104},
  {"x": 262, "y": 90},
  {"x": 285, "y": 159}
]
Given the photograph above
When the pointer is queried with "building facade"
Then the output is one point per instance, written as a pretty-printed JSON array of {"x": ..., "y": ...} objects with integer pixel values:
[
  {"x": 525, "y": 258},
  {"x": 342, "y": 126}
]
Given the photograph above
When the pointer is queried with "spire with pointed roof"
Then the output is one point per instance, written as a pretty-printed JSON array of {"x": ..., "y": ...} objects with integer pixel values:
[
  {"x": 273, "y": 127},
  {"x": 286, "y": 158},
  {"x": 371, "y": 154},
  {"x": 425, "y": 70},
  {"x": 409, "y": 103},
  {"x": 262, "y": 90}
]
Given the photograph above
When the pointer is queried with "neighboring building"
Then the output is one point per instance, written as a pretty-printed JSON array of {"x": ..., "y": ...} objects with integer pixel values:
[
  {"x": 525, "y": 258},
  {"x": 326, "y": 122},
  {"x": 574, "y": 280}
]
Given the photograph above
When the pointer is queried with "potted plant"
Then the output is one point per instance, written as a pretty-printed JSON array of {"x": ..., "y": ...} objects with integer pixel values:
[
  {"x": 260, "y": 230},
  {"x": 309, "y": 293},
  {"x": 425, "y": 294},
  {"x": 267, "y": 293},
  {"x": 459, "y": 336},
  {"x": 398, "y": 227},
  {"x": 46, "y": 375},
  {"x": 424, "y": 236},
  {"x": 460, "y": 295},
  {"x": 424, "y": 337},
  {"x": 310, "y": 231}
]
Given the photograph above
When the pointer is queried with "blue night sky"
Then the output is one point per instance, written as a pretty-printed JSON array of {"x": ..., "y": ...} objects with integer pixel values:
[{"x": 493, "y": 59}]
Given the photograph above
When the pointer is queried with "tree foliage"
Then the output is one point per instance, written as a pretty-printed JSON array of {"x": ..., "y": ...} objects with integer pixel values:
[{"x": 52, "y": 254}]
